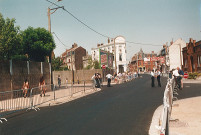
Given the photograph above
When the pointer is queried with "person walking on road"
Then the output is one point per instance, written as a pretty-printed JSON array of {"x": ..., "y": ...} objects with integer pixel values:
[
  {"x": 25, "y": 88},
  {"x": 109, "y": 77},
  {"x": 42, "y": 86},
  {"x": 158, "y": 73},
  {"x": 152, "y": 78}
]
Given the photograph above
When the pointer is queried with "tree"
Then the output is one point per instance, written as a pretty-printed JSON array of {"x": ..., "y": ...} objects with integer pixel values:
[
  {"x": 96, "y": 65},
  {"x": 90, "y": 63},
  {"x": 56, "y": 63},
  {"x": 37, "y": 43},
  {"x": 10, "y": 39}
]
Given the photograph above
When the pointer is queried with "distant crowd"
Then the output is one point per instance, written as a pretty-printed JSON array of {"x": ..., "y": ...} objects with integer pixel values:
[{"x": 116, "y": 78}]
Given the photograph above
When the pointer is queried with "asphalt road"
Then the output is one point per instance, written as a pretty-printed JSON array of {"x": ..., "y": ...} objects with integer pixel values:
[{"x": 125, "y": 109}]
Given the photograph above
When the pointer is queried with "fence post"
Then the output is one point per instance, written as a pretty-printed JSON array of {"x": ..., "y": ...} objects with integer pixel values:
[
  {"x": 54, "y": 88},
  {"x": 31, "y": 98},
  {"x": 71, "y": 89},
  {"x": 167, "y": 123},
  {"x": 84, "y": 86}
]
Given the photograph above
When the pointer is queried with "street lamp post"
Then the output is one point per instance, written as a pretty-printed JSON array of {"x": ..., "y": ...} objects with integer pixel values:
[{"x": 115, "y": 59}]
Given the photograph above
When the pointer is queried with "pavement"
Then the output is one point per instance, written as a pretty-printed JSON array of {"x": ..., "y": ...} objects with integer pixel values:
[
  {"x": 124, "y": 109},
  {"x": 185, "y": 117},
  {"x": 186, "y": 113}
]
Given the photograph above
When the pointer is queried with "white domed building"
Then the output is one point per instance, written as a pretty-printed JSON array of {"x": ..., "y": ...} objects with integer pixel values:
[{"x": 118, "y": 48}]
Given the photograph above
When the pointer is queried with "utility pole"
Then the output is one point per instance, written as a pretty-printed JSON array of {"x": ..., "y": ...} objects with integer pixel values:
[
  {"x": 115, "y": 59},
  {"x": 180, "y": 55},
  {"x": 49, "y": 29}
]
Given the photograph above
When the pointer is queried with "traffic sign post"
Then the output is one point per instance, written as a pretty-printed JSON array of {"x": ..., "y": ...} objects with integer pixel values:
[{"x": 103, "y": 66}]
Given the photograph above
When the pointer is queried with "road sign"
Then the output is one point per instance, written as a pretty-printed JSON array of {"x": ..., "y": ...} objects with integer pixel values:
[
  {"x": 103, "y": 66},
  {"x": 185, "y": 75}
]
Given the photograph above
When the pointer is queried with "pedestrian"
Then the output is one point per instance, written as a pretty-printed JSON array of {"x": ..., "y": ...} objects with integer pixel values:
[
  {"x": 138, "y": 74},
  {"x": 158, "y": 74},
  {"x": 59, "y": 81},
  {"x": 97, "y": 79},
  {"x": 42, "y": 86},
  {"x": 25, "y": 87},
  {"x": 177, "y": 78},
  {"x": 181, "y": 73},
  {"x": 152, "y": 78},
  {"x": 93, "y": 80},
  {"x": 109, "y": 77}
]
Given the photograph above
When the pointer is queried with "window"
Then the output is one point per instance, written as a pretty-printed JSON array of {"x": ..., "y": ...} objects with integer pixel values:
[
  {"x": 199, "y": 61},
  {"x": 69, "y": 60},
  {"x": 186, "y": 64},
  {"x": 120, "y": 57}
]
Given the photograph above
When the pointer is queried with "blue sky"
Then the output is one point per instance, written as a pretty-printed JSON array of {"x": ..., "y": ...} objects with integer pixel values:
[{"x": 144, "y": 21}]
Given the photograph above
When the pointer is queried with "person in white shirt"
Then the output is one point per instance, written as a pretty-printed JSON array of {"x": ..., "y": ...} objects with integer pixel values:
[
  {"x": 178, "y": 77},
  {"x": 109, "y": 77},
  {"x": 152, "y": 78}
]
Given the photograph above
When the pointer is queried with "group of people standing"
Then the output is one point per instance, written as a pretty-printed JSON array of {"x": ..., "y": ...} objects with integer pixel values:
[
  {"x": 157, "y": 75},
  {"x": 26, "y": 87}
]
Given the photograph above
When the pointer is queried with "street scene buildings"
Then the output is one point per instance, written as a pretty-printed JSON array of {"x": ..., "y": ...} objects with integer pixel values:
[
  {"x": 117, "y": 47},
  {"x": 109, "y": 67}
]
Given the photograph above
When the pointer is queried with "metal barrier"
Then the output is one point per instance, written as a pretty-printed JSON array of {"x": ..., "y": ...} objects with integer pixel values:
[
  {"x": 41, "y": 95},
  {"x": 14, "y": 101},
  {"x": 169, "y": 96}
]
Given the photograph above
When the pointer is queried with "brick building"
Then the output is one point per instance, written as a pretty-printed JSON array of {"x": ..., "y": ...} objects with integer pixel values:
[
  {"x": 143, "y": 62},
  {"x": 72, "y": 58},
  {"x": 192, "y": 56}
]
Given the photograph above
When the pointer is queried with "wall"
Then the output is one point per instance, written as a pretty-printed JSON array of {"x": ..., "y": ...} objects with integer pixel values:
[
  {"x": 13, "y": 74},
  {"x": 80, "y": 75}
]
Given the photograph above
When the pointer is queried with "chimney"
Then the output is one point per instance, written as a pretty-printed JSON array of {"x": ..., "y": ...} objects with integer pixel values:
[
  {"x": 171, "y": 42},
  {"x": 191, "y": 40},
  {"x": 98, "y": 45},
  {"x": 101, "y": 43},
  {"x": 186, "y": 44},
  {"x": 74, "y": 45},
  {"x": 152, "y": 52},
  {"x": 108, "y": 40},
  {"x": 194, "y": 42}
]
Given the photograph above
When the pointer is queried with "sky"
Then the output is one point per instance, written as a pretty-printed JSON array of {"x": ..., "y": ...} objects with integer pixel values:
[{"x": 143, "y": 21}]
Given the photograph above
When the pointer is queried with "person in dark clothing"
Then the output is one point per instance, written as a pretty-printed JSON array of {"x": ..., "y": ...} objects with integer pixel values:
[
  {"x": 152, "y": 78},
  {"x": 158, "y": 73},
  {"x": 97, "y": 80},
  {"x": 59, "y": 81},
  {"x": 181, "y": 73}
]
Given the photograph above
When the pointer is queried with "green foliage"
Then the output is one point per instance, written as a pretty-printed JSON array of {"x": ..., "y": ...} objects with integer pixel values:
[
  {"x": 192, "y": 75},
  {"x": 65, "y": 68},
  {"x": 37, "y": 43},
  {"x": 56, "y": 64},
  {"x": 199, "y": 74},
  {"x": 10, "y": 39},
  {"x": 19, "y": 57},
  {"x": 96, "y": 65}
]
